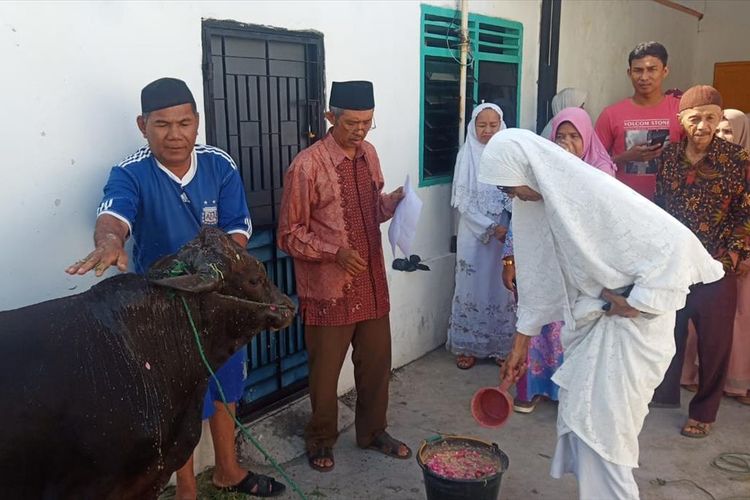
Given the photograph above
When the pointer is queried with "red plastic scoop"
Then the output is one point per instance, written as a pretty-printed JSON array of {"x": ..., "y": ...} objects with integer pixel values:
[{"x": 492, "y": 406}]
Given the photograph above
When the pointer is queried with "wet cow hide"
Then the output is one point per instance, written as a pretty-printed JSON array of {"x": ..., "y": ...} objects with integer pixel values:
[{"x": 102, "y": 392}]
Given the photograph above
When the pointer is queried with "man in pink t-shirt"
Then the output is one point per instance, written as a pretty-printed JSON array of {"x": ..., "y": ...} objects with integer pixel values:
[{"x": 635, "y": 129}]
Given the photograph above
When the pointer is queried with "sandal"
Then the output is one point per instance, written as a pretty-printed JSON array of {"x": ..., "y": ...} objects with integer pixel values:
[
  {"x": 465, "y": 362},
  {"x": 387, "y": 445},
  {"x": 690, "y": 387},
  {"x": 698, "y": 430},
  {"x": 745, "y": 400},
  {"x": 527, "y": 407},
  {"x": 320, "y": 453},
  {"x": 265, "y": 486}
]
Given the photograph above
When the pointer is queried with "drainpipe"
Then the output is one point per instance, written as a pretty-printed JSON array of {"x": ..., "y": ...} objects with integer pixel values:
[
  {"x": 461, "y": 99},
  {"x": 462, "y": 69}
]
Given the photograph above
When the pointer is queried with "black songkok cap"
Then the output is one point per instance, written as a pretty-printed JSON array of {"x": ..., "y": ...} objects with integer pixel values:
[
  {"x": 355, "y": 95},
  {"x": 165, "y": 93}
]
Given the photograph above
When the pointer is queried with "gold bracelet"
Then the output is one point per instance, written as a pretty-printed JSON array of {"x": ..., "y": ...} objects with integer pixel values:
[{"x": 508, "y": 262}]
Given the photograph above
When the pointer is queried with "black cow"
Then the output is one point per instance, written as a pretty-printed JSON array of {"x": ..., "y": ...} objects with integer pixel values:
[{"x": 102, "y": 392}]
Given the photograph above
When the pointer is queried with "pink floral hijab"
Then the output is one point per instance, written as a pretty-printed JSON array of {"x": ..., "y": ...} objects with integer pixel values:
[{"x": 594, "y": 152}]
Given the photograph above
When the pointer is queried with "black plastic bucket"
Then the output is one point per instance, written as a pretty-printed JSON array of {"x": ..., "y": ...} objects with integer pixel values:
[{"x": 442, "y": 488}]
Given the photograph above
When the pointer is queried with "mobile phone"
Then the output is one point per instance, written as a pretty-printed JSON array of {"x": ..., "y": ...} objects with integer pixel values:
[{"x": 657, "y": 137}]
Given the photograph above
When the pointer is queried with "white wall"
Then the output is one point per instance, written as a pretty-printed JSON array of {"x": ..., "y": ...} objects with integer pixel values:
[
  {"x": 722, "y": 37},
  {"x": 597, "y": 36},
  {"x": 71, "y": 93}
]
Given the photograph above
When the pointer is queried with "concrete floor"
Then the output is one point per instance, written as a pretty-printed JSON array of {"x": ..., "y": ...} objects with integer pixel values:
[{"x": 432, "y": 396}]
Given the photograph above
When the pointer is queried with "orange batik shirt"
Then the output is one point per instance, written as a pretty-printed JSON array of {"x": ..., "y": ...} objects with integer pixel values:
[{"x": 332, "y": 202}]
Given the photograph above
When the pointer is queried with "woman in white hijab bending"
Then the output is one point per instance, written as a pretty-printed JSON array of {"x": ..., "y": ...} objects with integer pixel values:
[
  {"x": 582, "y": 240},
  {"x": 483, "y": 317}
]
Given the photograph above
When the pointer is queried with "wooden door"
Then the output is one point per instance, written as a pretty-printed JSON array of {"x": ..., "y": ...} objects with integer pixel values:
[{"x": 732, "y": 79}]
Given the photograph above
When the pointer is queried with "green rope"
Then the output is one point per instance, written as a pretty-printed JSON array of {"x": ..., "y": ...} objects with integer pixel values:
[
  {"x": 178, "y": 268},
  {"x": 735, "y": 463},
  {"x": 244, "y": 430}
]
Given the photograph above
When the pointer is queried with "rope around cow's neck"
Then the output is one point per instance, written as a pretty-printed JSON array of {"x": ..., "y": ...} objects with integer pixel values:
[{"x": 239, "y": 424}]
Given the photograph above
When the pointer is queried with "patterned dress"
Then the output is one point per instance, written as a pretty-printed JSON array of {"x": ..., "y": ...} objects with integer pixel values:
[{"x": 483, "y": 318}]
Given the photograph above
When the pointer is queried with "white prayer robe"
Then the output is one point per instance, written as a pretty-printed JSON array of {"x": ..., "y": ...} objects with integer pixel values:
[{"x": 592, "y": 232}]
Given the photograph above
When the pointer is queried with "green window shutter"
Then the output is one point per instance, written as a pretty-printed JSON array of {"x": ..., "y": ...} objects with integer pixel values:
[
  {"x": 493, "y": 76},
  {"x": 497, "y": 48}
]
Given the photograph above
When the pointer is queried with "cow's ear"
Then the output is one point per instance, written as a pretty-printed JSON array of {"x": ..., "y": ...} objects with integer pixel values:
[
  {"x": 181, "y": 273},
  {"x": 193, "y": 283}
]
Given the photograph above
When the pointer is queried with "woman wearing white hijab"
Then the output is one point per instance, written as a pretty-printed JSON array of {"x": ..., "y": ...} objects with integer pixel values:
[
  {"x": 482, "y": 314},
  {"x": 569, "y": 97},
  {"x": 582, "y": 239}
]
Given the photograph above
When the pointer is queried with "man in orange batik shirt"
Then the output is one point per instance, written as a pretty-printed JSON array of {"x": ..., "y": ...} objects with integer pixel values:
[{"x": 331, "y": 212}]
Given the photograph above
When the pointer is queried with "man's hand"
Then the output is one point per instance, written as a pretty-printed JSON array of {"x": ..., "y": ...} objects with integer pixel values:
[
  {"x": 509, "y": 274},
  {"x": 109, "y": 239},
  {"x": 640, "y": 152},
  {"x": 397, "y": 194},
  {"x": 516, "y": 364},
  {"x": 619, "y": 305},
  {"x": 350, "y": 260},
  {"x": 109, "y": 251},
  {"x": 500, "y": 233}
]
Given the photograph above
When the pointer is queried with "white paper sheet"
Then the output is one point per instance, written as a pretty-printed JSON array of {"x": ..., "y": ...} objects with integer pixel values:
[{"x": 403, "y": 227}]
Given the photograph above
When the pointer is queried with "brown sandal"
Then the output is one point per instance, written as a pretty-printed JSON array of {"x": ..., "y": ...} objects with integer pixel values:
[
  {"x": 465, "y": 362},
  {"x": 387, "y": 445},
  {"x": 698, "y": 430},
  {"x": 320, "y": 453}
]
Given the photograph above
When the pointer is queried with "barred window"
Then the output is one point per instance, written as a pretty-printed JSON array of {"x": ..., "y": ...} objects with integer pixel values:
[{"x": 493, "y": 75}]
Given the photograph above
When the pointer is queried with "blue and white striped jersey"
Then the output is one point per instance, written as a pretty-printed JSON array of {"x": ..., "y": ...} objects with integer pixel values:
[{"x": 164, "y": 212}]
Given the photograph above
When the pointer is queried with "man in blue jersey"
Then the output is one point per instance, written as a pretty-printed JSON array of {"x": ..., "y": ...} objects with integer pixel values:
[{"x": 161, "y": 196}]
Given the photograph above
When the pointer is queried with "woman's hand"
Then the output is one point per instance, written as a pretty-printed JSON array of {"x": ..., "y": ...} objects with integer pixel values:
[
  {"x": 509, "y": 274},
  {"x": 619, "y": 305},
  {"x": 516, "y": 364},
  {"x": 500, "y": 233}
]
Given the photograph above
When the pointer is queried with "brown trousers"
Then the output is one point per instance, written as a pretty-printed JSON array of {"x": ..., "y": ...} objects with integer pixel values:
[
  {"x": 326, "y": 348},
  {"x": 712, "y": 308}
]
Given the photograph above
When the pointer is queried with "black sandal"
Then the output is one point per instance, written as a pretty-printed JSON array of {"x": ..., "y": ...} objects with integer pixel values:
[
  {"x": 266, "y": 486},
  {"x": 318, "y": 454},
  {"x": 387, "y": 445}
]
